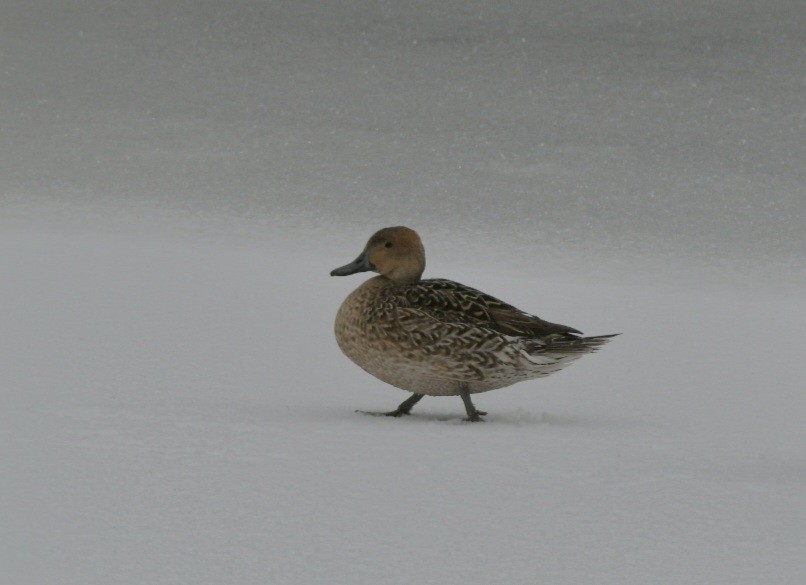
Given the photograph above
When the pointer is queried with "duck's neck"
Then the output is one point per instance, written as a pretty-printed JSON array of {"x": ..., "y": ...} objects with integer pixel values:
[
  {"x": 405, "y": 274},
  {"x": 405, "y": 279}
]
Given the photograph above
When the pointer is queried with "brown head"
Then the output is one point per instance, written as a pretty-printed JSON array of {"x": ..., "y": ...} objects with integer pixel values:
[{"x": 394, "y": 252}]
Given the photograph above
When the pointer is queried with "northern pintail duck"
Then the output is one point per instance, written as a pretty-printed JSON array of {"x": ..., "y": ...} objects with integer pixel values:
[{"x": 439, "y": 337}]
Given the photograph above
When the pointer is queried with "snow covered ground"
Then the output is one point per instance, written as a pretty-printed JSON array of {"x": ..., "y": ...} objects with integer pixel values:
[{"x": 179, "y": 178}]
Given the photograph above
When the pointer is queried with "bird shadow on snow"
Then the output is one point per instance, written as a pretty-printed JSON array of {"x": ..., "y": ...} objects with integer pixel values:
[{"x": 518, "y": 417}]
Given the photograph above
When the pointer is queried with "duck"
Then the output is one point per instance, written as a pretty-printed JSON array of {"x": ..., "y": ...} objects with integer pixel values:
[{"x": 437, "y": 337}]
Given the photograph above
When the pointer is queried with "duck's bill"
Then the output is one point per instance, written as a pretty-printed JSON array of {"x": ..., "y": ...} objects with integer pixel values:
[{"x": 360, "y": 264}]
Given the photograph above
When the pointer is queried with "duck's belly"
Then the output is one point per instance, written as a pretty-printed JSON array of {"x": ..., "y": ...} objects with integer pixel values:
[
  {"x": 414, "y": 376},
  {"x": 403, "y": 365},
  {"x": 409, "y": 376}
]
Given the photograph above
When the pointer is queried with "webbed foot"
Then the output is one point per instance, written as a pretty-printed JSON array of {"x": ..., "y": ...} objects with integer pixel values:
[{"x": 404, "y": 408}]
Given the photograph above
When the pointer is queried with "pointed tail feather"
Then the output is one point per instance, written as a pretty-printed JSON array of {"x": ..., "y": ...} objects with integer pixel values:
[{"x": 577, "y": 345}]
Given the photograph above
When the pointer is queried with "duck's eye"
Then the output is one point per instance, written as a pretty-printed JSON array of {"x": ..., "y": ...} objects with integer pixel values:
[{"x": 388, "y": 244}]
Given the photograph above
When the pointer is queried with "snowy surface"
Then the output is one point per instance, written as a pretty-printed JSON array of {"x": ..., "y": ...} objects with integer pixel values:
[{"x": 178, "y": 178}]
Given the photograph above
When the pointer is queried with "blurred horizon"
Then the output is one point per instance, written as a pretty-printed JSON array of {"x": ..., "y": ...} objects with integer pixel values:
[{"x": 619, "y": 130}]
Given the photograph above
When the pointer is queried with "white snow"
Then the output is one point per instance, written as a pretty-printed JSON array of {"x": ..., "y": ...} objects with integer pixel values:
[{"x": 178, "y": 179}]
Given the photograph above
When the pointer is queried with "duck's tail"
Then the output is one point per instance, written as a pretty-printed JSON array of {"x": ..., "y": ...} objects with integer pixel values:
[
  {"x": 572, "y": 345},
  {"x": 555, "y": 352},
  {"x": 581, "y": 344}
]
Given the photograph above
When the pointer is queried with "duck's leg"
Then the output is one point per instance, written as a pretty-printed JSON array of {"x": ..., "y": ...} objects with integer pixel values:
[
  {"x": 473, "y": 415},
  {"x": 404, "y": 408}
]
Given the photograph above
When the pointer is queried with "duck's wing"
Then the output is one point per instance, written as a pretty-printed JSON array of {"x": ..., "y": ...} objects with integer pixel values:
[{"x": 450, "y": 302}]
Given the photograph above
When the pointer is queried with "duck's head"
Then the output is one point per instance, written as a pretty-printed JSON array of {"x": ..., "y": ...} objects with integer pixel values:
[{"x": 394, "y": 252}]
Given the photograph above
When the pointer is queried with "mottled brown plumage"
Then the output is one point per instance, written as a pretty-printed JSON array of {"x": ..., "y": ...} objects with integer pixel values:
[{"x": 439, "y": 337}]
